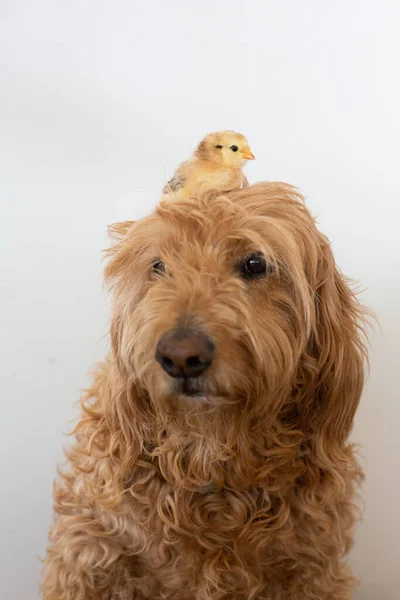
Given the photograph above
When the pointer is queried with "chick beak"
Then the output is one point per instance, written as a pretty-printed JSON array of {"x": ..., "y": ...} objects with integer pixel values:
[{"x": 248, "y": 155}]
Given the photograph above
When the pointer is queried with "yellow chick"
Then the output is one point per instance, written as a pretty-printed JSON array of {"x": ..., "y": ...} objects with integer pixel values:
[{"x": 217, "y": 163}]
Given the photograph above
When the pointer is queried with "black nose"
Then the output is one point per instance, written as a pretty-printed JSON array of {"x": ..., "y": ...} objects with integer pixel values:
[{"x": 184, "y": 353}]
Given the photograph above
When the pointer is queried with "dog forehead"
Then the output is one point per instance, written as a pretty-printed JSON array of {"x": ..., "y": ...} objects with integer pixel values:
[
  {"x": 200, "y": 212},
  {"x": 219, "y": 223},
  {"x": 233, "y": 223}
]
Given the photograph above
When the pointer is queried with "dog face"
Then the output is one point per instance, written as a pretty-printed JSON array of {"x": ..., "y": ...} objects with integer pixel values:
[{"x": 235, "y": 300}]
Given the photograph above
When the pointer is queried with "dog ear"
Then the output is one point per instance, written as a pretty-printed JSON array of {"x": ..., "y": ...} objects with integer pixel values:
[
  {"x": 119, "y": 252},
  {"x": 118, "y": 230},
  {"x": 333, "y": 366},
  {"x": 118, "y": 233},
  {"x": 127, "y": 270},
  {"x": 113, "y": 427}
]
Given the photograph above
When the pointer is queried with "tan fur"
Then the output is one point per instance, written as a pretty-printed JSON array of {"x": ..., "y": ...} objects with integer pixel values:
[{"x": 134, "y": 520}]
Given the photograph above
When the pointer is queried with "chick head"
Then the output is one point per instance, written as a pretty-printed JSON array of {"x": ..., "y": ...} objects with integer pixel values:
[{"x": 226, "y": 148}]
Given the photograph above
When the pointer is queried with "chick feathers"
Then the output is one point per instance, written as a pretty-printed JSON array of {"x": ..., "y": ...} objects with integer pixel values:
[{"x": 217, "y": 162}]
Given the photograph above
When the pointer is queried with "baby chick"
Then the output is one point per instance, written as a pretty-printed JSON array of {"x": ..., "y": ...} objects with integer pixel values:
[{"x": 216, "y": 163}]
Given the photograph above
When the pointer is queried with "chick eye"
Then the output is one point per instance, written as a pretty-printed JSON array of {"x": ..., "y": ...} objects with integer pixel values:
[
  {"x": 234, "y": 148},
  {"x": 254, "y": 266},
  {"x": 159, "y": 267},
  {"x": 219, "y": 146}
]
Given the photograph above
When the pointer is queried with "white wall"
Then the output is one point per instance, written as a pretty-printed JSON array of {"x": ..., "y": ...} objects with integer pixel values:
[{"x": 98, "y": 102}]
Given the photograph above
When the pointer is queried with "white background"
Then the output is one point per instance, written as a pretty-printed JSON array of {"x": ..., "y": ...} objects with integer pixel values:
[{"x": 99, "y": 100}]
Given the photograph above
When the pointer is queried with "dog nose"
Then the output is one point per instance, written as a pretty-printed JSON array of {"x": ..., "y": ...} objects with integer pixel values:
[{"x": 183, "y": 353}]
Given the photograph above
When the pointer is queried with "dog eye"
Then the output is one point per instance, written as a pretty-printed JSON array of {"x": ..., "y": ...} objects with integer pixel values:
[
  {"x": 219, "y": 146},
  {"x": 254, "y": 266},
  {"x": 159, "y": 267},
  {"x": 234, "y": 148}
]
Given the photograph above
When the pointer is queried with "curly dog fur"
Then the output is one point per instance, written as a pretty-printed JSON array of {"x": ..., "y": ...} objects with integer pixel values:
[{"x": 246, "y": 488}]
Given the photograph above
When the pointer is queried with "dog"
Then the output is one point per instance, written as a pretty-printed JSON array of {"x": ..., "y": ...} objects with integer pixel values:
[{"x": 211, "y": 460}]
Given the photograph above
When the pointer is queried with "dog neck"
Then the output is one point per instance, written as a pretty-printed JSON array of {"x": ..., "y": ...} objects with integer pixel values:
[{"x": 207, "y": 489}]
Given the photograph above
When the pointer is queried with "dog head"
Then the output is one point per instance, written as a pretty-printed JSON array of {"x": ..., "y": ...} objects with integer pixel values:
[{"x": 235, "y": 300}]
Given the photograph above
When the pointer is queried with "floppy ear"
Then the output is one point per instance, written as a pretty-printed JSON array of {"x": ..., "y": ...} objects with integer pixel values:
[
  {"x": 119, "y": 230},
  {"x": 113, "y": 428},
  {"x": 333, "y": 365},
  {"x": 127, "y": 272},
  {"x": 118, "y": 255},
  {"x": 116, "y": 252}
]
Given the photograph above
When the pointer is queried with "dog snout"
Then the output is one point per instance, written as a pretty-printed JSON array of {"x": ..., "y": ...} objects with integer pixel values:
[{"x": 184, "y": 353}]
